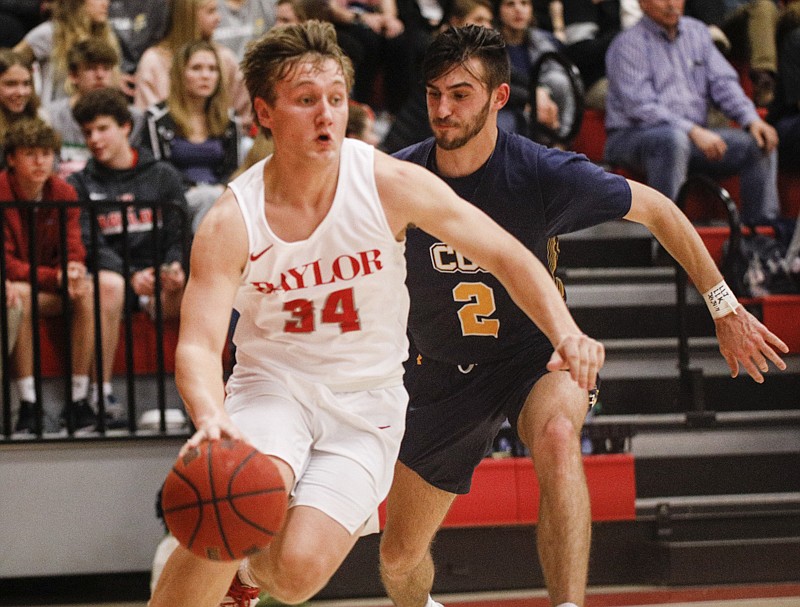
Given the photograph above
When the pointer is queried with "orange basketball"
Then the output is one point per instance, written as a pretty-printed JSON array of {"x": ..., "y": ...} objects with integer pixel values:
[{"x": 224, "y": 500}]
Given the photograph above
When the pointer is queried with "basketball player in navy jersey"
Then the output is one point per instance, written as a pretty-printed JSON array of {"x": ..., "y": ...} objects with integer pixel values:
[
  {"x": 307, "y": 245},
  {"x": 481, "y": 360}
]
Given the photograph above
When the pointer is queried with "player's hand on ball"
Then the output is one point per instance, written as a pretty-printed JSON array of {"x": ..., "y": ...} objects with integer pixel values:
[
  {"x": 212, "y": 428},
  {"x": 582, "y": 356}
]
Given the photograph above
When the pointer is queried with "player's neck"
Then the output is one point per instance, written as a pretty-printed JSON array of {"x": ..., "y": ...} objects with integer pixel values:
[
  {"x": 468, "y": 158},
  {"x": 303, "y": 188}
]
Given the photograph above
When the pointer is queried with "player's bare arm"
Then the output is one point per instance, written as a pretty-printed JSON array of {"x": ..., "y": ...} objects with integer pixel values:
[
  {"x": 742, "y": 338},
  {"x": 219, "y": 253},
  {"x": 432, "y": 206}
]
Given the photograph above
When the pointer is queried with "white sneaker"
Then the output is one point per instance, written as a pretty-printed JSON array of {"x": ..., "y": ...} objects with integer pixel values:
[{"x": 174, "y": 418}]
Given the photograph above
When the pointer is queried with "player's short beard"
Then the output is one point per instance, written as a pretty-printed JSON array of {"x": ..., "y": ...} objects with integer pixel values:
[{"x": 472, "y": 128}]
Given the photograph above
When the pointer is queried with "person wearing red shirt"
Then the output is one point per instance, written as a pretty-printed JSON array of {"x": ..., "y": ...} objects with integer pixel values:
[{"x": 31, "y": 146}]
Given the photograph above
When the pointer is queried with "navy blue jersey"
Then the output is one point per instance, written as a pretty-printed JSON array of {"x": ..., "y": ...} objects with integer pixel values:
[{"x": 460, "y": 313}]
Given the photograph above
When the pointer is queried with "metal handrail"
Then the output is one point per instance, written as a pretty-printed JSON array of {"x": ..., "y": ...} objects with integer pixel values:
[
  {"x": 93, "y": 208},
  {"x": 691, "y": 397},
  {"x": 576, "y": 84}
]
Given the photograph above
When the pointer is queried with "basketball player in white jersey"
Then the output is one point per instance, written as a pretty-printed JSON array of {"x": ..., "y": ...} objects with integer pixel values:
[{"x": 307, "y": 246}]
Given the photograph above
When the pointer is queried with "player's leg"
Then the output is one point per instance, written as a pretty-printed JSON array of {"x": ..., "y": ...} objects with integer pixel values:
[
  {"x": 190, "y": 580},
  {"x": 414, "y": 512},
  {"x": 303, "y": 557},
  {"x": 342, "y": 448},
  {"x": 454, "y": 413},
  {"x": 187, "y": 579},
  {"x": 550, "y": 425}
]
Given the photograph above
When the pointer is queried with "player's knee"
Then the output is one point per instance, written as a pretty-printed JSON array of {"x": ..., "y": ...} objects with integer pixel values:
[
  {"x": 559, "y": 435},
  {"x": 298, "y": 576},
  {"x": 399, "y": 555}
]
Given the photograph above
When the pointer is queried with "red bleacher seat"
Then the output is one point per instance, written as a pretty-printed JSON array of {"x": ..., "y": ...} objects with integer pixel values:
[
  {"x": 51, "y": 333},
  {"x": 506, "y": 492}
]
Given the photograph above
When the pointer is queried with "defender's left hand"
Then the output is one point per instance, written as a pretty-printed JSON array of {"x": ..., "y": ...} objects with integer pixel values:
[
  {"x": 582, "y": 356},
  {"x": 743, "y": 339}
]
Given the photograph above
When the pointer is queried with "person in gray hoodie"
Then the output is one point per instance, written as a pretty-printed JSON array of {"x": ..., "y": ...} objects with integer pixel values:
[{"x": 118, "y": 172}]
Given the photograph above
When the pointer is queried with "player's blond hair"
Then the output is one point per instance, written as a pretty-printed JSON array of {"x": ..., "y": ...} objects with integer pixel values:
[{"x": 270, "y": 58}]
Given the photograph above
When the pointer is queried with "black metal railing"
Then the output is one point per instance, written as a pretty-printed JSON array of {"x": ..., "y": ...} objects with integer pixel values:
[
  {"x": 159, "y": 211},
  {"x": 560, "y": 135},
  {"x": 691, "y": 396}
]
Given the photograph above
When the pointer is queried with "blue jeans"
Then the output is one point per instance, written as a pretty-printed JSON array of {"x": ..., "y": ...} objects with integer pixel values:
[{"x": 666, "y": 156}]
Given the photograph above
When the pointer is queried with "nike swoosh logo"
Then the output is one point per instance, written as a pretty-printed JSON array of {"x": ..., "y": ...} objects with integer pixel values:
[
  {"x": 255, "y": 256},
  {"x": 384, "y": 427}
]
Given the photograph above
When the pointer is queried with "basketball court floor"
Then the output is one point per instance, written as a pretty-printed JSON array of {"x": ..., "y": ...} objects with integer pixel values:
[{"x": 758, "y": 595}]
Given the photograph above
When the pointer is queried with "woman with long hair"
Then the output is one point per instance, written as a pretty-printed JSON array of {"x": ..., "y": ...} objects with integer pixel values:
[
  {"x": 17, "y": 97},
  {"x": 49, "y": 42},
  {"x": 190, "y": 21},
  {"x": 194, "y": 129}
]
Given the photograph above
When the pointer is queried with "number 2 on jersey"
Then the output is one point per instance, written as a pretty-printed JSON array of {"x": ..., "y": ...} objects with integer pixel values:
[
  {"x": 339, "y": 308},
  {"x": 474, "y": 316}
]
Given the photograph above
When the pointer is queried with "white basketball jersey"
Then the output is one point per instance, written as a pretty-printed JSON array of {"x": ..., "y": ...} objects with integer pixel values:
[{"x": 331, "y": 308}]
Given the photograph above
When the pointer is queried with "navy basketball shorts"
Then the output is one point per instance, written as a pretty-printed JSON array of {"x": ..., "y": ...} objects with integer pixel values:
[{"x": 455, "y": 411}]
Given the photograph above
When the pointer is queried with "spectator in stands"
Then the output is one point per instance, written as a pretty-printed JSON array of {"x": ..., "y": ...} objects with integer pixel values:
[
  {"x": 194, "y": 129},
  {"x": 31, "y": 146},
  {"x": 629, "y": 13},
  {"x": 49, "y": 43},
  {"x": 656, "y": 114},
  {"x": 586, "y": 29},
  {"x": 92, "y": 64},
  {"x": 191, "y": 20},
  {"x": 411, "y": 124},
  {"x": 17, "y": 97},
  {"x": 18, "y": 18},
  {"x": 361, "y": 123},
  {"x": 138, "y": 24},
  {"x": 242, "y": 21},
  {"x": 469, "y": 12},
  {"x": 374, "y": 37},
  {"x": 288, "y": 12},
  {"x": 784, "y": 113},
  {"x": 525, "y": 44},
  {"x": 119, "y": 172},
  {"x": 750, "y": 25}
]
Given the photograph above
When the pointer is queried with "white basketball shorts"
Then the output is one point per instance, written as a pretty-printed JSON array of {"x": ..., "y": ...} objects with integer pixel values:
[{"x": 341, "y": 446}]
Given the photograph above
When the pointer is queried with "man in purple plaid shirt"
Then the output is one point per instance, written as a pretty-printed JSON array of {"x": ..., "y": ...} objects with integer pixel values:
[{"x": 664, "y": 74}]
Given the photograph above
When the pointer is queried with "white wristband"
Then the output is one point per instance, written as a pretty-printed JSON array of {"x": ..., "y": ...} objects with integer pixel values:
[{"x": 720, "y": 300}]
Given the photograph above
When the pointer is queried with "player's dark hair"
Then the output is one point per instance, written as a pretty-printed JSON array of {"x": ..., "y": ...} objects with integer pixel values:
[
  {"x": 102, "y": 102},
  {"x": 455, "y": 46}
]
